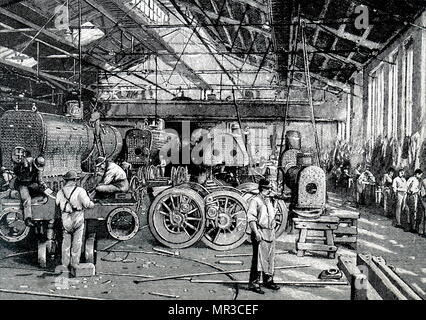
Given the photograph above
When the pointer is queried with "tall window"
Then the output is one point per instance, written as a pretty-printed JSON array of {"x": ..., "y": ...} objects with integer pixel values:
[
  {"x": 392, "y": 115},
  {"x": 376, "y": 102},
  {"x": 408, "y": 88}
]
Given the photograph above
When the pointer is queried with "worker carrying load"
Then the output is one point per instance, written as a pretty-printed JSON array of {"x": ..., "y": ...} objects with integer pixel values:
[
  {"x": 29, "y": 180},
  {"x": 114, "y": 178}
]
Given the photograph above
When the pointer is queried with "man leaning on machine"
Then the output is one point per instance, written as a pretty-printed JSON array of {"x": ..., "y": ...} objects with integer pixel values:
[{"x": 29, "y": 180}]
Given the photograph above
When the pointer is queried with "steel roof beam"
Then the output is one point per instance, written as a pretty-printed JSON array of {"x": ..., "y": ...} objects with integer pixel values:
[
  {"x": 159, "y": 43},
  {"x": 348, "y": 36},
  {"x": 226, "y": 20},
  {"x": 63, "y": 41}
]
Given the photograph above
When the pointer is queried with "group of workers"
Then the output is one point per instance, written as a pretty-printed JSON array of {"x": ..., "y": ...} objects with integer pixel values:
[
  {"x": 401, "y": 198},
  {"x": 407, "y": 198},
  {"x": 71, "y": 200}
]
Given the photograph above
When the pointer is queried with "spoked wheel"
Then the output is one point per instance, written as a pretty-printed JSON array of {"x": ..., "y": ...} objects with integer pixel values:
[
  {"x": 176, "y": 217},
  {"x": 12, "y": 225},
  {"x": 200, "y": 189},
  {"x": 122, "y": 224},
  {"x": 281, "y": 217},
  {"x": 226, "y": 220},
  {"x": 249, "y": 187},
  {"x": 90, "y": 249},
  {"x": 42, "y": 253}
]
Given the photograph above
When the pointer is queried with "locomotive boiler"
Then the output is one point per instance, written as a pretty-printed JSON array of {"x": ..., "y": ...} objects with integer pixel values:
[
  {"x": 66, "y": 144},
  {"x": 305, "y": 181}
]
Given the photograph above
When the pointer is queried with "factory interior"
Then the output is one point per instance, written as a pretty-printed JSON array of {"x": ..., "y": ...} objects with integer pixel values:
[{"x": 199, "y": 101}]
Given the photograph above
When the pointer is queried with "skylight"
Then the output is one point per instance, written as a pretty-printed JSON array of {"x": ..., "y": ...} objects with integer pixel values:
[
  {"x": 89, "y": 33},
  {"x": 150, "y": 9},
  {"x": 17, "y": 58}
]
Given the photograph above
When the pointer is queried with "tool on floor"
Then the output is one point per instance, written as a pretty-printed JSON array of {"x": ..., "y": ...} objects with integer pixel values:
[
  {"x": 212, "y": 273},
  {"x": 164, "y": 295},
  {"x": 176, "y": 253},
  {"x": 330, "y": 274},
  {"x": 230, "y": 262},
  {"x": 124, "y": 275},
  {"x": 286, "y": 283},
  {"x": 233, "y": 255}
]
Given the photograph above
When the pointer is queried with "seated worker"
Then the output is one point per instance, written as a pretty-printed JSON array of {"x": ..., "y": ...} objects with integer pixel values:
[
  {"x": 114, "y": 178},
  {"x": 29, "y": 180}
]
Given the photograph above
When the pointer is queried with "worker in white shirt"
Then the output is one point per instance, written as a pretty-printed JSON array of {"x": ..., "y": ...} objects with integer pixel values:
[
  {"x": 261, "y": 218},
  {"x": 399, "y": 186},
  {"x": 72, "y": 200},
  {"x": 413, "y": 190},
  {"x": 114, "y": 178}
]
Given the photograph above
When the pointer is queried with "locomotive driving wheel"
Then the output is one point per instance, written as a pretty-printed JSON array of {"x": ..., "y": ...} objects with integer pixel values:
[
  {"x": 281, "y": 217},
  {"x": 226, "y": 220},
  {"x": 122, "y": 224},
  {"x": 12, "y": 225},
  {"x": 176, "y": 217}
]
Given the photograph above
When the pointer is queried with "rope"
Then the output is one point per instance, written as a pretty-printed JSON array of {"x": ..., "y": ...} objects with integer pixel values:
[{"x": 308, "y": 82}]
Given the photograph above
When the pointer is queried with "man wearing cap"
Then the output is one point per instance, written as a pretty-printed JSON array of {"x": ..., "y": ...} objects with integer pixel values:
[
  {"x": 72, "y": 200},
  {"x": 261, "y": 218},
  {"x": 114, "y": 178},
  {"x": 29, "y": 180}
]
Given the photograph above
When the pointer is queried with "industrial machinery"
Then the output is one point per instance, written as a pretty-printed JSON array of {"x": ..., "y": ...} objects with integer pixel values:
[
  {"x": 305, "y": 181},
  {"x": 66, "y": 144},
  {"x": 143, "y": 143},
  {"x": 213, "y": 212},
  {"x": 180, "y": 216}
]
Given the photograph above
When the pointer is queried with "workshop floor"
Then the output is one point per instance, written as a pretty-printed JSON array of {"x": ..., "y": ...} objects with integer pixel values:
[{"x": 405, "y": 251}]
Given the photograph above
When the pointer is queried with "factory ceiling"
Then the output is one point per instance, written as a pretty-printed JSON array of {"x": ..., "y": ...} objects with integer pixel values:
[{"x": 256, "y": 36}]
